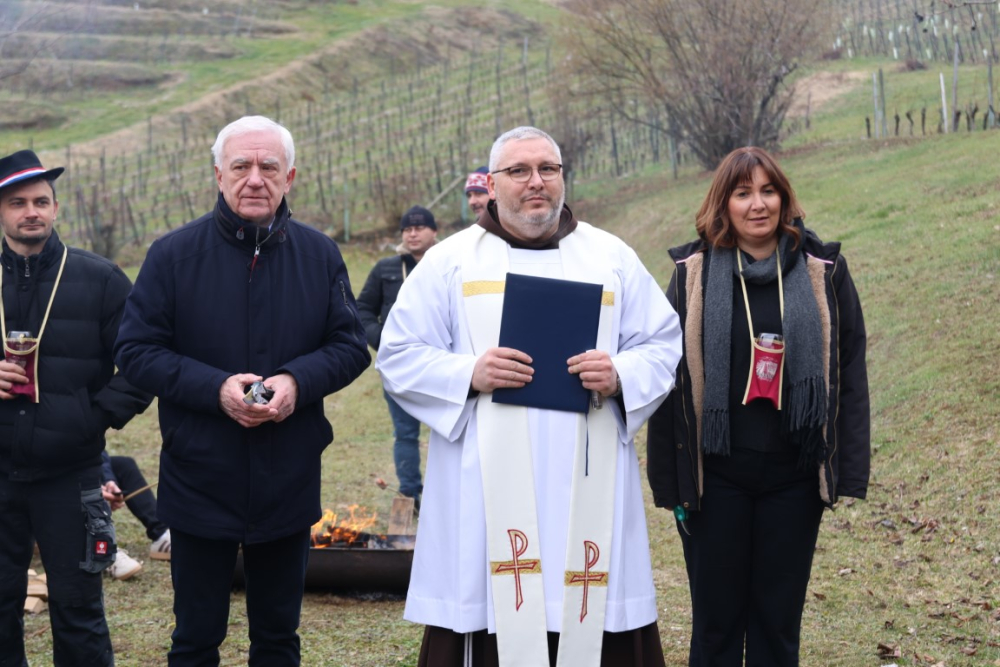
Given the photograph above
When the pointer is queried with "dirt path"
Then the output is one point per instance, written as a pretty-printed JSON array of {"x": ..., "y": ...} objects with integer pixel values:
[{"x": 815, "y": 90}]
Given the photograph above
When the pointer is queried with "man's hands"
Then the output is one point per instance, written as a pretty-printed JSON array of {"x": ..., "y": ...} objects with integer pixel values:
[
  {"x": 278, "y": 409},
  {"x": 596, "y": 371},
  {"x": 504, "y": 367},
  {"x": 286, "y": 392},
  {"x": 113, "y": 495},
  {"x": 501, "y": 367},
  {"x": 10, "y": 374}
]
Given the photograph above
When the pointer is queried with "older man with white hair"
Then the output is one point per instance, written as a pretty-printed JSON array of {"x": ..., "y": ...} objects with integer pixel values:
[
  {"x": 241, "y": 296},
  {"x": 532, "y": 540}
]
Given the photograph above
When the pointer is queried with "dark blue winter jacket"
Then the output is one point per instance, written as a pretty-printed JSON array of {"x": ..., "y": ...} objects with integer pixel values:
[{"x": 202, "y": 310}]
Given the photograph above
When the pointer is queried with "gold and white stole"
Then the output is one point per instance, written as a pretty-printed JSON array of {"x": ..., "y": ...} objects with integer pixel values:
[{"x": 508, "y": 480}]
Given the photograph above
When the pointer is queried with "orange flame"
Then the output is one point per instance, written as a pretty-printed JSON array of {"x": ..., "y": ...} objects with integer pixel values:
[{"x": 328, "y": 530}]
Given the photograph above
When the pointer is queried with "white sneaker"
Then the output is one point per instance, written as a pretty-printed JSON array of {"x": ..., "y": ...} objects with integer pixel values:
[
  {"x": 124, "y": 567},
  {"x": 160, "y": 549}
]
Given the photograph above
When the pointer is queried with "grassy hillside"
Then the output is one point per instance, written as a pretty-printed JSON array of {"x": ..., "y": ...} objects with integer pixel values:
[{"x": 194, "y": 53}]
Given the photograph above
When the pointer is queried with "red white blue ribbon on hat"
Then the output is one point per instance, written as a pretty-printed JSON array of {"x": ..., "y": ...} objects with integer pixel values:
[{"x": 21, "y": 175}]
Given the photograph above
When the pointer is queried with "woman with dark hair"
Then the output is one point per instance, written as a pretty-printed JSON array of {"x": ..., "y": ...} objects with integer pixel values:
[{"x": 769, "y": 419}]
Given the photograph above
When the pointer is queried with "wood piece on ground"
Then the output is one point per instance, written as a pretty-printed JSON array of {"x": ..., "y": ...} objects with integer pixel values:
[
  {"x": 33, "y": 605},
  {"x": 401, "y": 516},
  {"x": 38, "y": 589},
  {"x": 37, "y": 586}
]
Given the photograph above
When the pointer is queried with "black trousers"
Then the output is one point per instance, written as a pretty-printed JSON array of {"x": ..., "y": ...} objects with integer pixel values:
[
  {"x": 202, "y": 573},
  {"x": 748, "y": 559},
  {"x": 142, "y": 506},
  {"x": 49, "y": 512}
]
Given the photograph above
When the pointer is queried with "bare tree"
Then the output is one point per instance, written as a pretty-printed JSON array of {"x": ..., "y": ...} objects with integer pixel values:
[{"x": 719, "y": 69}]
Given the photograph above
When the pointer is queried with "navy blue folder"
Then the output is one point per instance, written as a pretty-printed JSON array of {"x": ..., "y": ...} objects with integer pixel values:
[{"x": 550, "y": 320}]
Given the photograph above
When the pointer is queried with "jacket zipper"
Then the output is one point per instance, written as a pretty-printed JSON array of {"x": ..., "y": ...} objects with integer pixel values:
[
  {"x": 256, "y": 251},
  {"x": 253, "y": 263},
  {"x": 347, "y": 304}
]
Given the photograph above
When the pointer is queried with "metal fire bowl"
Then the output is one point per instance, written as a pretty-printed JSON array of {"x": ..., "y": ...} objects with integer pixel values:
[{"x": 384, "y": 570}]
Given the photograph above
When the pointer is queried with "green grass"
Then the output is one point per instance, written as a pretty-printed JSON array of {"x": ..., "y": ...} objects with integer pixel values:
[{"x": 915, "y": 566}]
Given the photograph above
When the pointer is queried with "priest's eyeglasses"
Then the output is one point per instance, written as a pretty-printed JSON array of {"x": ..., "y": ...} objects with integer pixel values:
[{"x": 522, "y": 173}]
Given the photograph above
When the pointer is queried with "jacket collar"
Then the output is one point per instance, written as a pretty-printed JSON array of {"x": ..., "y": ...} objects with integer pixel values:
[
  {"x": 811, "y": 243},
  {"x": 243, "y": 233},
  {"x": 50, "y": 254}
]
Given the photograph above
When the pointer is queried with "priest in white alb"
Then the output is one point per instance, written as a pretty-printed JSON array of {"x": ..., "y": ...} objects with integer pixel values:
[{"x": 532, "y": 548}]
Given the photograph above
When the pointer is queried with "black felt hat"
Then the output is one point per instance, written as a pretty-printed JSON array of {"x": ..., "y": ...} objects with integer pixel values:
[{"x": 22, "y": 166}]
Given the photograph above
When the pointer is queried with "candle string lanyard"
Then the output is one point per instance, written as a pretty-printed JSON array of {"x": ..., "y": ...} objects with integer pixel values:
[
  {"x": 41, "y": 330},
  {"x": 766, "y": 364}
]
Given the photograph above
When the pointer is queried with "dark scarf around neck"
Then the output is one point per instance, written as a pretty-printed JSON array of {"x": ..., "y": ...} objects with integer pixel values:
[{"x": 806, "y": 408}]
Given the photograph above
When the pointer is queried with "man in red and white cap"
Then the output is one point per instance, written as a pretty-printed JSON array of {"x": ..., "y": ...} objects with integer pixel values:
[{"x": 476, "y": 192}]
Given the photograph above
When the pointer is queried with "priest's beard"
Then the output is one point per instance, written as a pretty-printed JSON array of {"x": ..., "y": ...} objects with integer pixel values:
[{"x": 530, "y": 225}]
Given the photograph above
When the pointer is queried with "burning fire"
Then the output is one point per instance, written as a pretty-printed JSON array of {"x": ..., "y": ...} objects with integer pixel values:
[{"x": 332, "y": 531}]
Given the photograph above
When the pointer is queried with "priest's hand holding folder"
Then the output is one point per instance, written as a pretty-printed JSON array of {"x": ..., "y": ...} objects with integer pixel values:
[
  {"x": 597, "y": 373},
  {"x": 501, "y": 368},
  {"x": 507, "y": 368}
]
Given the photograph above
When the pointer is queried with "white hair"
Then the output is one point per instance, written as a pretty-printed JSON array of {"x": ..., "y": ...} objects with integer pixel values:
[
  {"x": 249, "y": 124},
  {"x": 517, "y": 134}
]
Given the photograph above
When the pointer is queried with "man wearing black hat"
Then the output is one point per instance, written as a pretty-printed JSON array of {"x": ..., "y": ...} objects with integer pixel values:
[
  {"x": 376, "y": 298},
  {"x": 59, "y": 393}
]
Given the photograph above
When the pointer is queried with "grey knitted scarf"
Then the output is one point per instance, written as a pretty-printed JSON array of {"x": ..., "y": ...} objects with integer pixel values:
[{"x": 805, "y": 412}]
